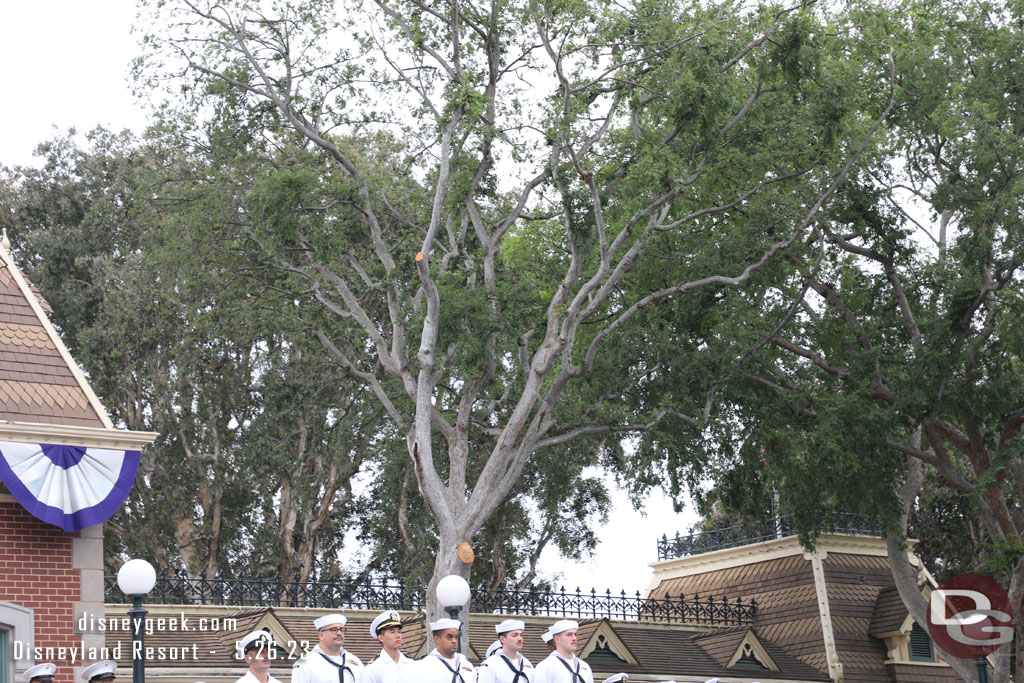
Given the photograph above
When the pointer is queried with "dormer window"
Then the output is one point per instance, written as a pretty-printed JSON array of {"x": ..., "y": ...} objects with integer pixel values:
[
  {"x": 748, "y": 660},
  {"x": 603, "y": 653},
  {"x": 920, "y": 645},
  {"x": 750, "y": 655}
]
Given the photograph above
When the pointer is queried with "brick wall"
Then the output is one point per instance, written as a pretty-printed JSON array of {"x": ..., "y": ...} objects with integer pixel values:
[{"x": 37, "y": 572}]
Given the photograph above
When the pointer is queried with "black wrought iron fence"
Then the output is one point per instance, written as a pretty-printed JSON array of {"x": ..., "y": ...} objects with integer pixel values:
[
  {"x": 745, "y": 534},
  {"x": 181, "y": 589},
  {"x": 595, "y": 605}
]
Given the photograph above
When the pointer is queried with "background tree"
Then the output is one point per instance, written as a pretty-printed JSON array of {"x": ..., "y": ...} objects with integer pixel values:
[{"x": 175, "y": 341}]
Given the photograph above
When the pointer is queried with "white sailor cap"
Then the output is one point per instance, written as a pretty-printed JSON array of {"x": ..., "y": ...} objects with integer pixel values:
[
  {"x": 251, "y": 642},
  {"x": 616, "y": 678},
  {"x": 385, "y": 620},
  {"x": 327, "y": 620},
  {"x": 563, "y": 625},
  {"x": 41, "y": 672},
  {"x": 442, "y": 624},
  {"x": 100, "y": 670},
  {"x": 509, "y": 625},
  {"x": 494, "y": 647},
  {"x": 546, "y": 636},
  {"x": 712, "y": 680}
]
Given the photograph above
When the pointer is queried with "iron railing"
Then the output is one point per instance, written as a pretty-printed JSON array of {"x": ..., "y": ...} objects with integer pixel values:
[
  {"x": 178, "y": 588},
  {"x": 181, "y": 589},
  {"x": 745, "y": 534},
  {"x": 595, "y": 605}
]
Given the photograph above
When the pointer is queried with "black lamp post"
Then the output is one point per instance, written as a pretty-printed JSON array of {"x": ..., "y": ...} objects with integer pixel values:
[{"x": 136, "y": 578}]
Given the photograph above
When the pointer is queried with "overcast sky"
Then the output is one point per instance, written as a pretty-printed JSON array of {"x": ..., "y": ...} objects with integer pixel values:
[{"x": 67, "y": 65}]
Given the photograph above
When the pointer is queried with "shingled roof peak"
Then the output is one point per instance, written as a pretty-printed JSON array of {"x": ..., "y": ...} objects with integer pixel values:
[{"x": 47, "y": 398}]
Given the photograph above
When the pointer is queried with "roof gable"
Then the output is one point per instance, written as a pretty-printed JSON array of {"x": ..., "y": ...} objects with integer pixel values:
[
  {"x": 751, "y": 649},
  {"x": 44, "y": 396},
  {"x": 262, "y": 619},
  {"x": 38, "y": 380},
  {"x": 601, "y": 638}
]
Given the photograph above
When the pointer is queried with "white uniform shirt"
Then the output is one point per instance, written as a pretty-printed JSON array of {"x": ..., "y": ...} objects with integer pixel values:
[
  {"x": 556, "y": 669},
  {"x": 249, "y": 678},
  {"x": 316, "y": 666},
  {"x": 497, "y": 669},
  {"x": 436, "y": 669},
  {"x": 383, "y": 669}
]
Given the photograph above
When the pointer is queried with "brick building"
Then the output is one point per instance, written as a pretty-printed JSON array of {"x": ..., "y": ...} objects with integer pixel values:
[{"x": 50, "y": 577}]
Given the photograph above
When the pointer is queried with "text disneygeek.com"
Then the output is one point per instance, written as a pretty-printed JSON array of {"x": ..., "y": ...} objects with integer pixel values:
[{"x": 92, "y": 623}]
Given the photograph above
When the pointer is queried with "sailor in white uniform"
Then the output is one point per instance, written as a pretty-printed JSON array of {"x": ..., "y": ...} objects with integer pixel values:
[
  {"x": 100, "y": 672},
  {"x": 562, "y": 665},
  {"x": 257, "y": 649},
  {"x": 507, "y": 664},
  {"x": 42, "y": 673},
  {"x": 445, "y": 664},
  {"x": 391, "y": 665},
  {"x": 329, "y": 661}
]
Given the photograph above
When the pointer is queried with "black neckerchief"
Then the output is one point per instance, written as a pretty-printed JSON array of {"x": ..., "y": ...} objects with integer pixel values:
[
  {"x": 455, "y": 672},
  {"x": 341, "y": 667},
  {"x": 518, "y": 672},
  {"x": 575, "y": 674}
]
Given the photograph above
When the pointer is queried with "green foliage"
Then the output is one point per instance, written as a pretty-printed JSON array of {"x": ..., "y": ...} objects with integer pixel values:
[{"x": 911, "y": 319}]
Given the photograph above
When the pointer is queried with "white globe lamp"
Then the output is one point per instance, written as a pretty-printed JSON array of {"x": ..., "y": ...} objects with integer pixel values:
[
  {"x": 452, "y": 591},
  {"x": 135, "y": 578}
]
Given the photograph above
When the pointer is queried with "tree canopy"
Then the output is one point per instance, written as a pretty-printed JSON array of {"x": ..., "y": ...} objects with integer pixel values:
[
  {"x": 902, "y": 358},
  {"x": 505, "y": 198}
]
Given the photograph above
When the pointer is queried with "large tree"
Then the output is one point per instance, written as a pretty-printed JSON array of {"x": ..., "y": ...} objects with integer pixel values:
[
  {"x": 903, "y": 358},
  {"x": 582, "y": 166}
]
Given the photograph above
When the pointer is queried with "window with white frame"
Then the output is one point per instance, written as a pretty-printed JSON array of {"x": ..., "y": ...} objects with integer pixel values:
[{"x": 17, "y": 627}]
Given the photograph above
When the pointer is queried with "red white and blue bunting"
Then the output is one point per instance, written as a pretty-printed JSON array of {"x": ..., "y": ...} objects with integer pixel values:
[{"x": 68, "y": 486}]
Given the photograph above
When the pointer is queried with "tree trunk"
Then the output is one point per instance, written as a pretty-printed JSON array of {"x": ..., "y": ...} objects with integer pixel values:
[
  {"x": 215, "y": 518},
  {"x": 445, "y": 563},
  {"x": 905, "y": 575},
  {"x": 289, "y": 515},
  {"x": 184, "y": 531}
]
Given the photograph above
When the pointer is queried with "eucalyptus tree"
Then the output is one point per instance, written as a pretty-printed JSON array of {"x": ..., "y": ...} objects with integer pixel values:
[{"x": 486, "y": 274}]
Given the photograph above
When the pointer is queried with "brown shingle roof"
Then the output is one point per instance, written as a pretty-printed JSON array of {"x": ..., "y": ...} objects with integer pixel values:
[
  {"x": 787, "y": 607},
  {"x": 890, "y": 612},
  {"x": 854, "y": 584},
  {"x": 722, "y": 645},
  {"x": 37, "y": 384}
]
